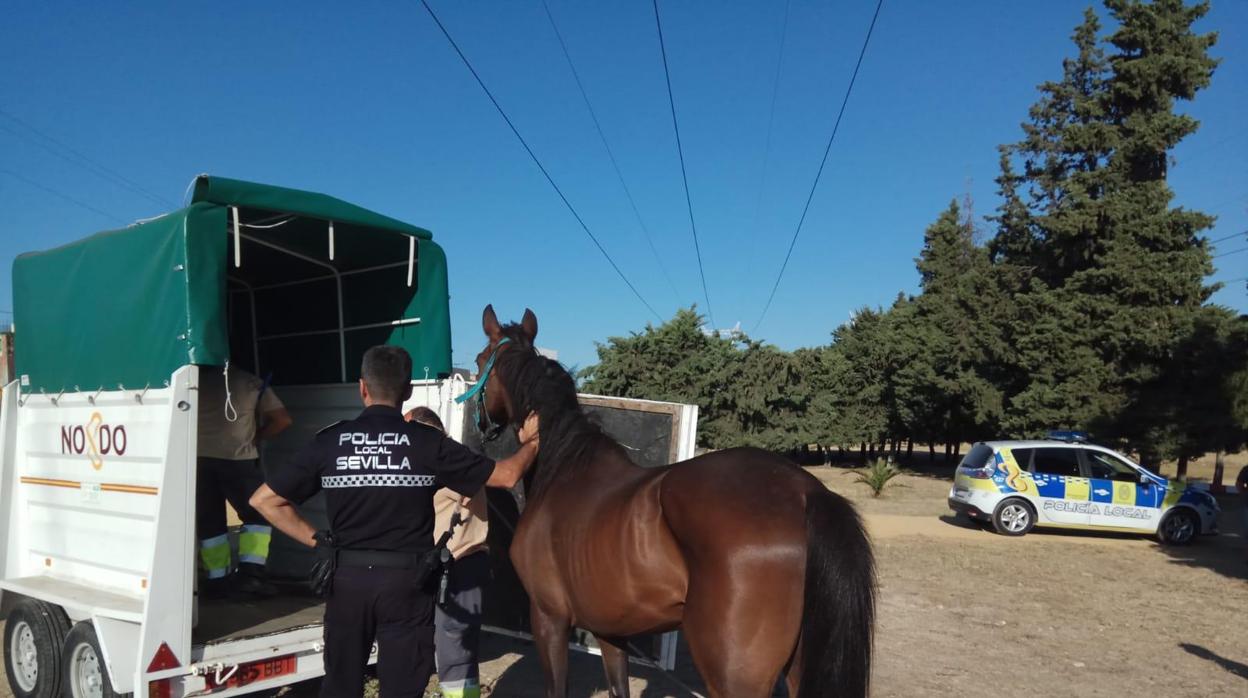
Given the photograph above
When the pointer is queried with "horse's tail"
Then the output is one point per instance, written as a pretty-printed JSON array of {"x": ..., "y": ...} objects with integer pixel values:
[{"x": 838, "y": 618}]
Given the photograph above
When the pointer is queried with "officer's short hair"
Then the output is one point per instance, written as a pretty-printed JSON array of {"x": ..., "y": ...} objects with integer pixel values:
[
  {"x": 387, "y": 371},
  {"x": 426, "y": 416}
]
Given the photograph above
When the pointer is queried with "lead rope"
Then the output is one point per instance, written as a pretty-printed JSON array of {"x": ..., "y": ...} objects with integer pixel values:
[{"x": 229, "y": 402}]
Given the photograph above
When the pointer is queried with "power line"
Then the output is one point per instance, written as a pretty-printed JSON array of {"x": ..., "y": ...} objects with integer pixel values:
[
  {"x": 814, "y": 185},
  {"x": 681, "y": 152},
  {"x": 81, "y": 160},
  {"x": 771, "y": 115},
  {"x": 63, "y": 195},
  {"x": 1237, "y": 198},
  {"x": 1242, "y": 249},
  {"x": 1228, "y": 237},
  {"x": 611, "y": 155},
  {"x": 536, "y": 161}
]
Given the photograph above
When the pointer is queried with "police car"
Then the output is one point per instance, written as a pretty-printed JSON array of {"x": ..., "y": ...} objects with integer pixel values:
[{"x": 1065, "y": 482}]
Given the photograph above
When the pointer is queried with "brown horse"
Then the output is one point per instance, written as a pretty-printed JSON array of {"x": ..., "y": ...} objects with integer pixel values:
[{"x": 766, "y": 571}]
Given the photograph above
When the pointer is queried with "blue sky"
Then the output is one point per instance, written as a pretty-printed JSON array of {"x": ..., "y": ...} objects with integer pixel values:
[{"x": 367, "y": 102}]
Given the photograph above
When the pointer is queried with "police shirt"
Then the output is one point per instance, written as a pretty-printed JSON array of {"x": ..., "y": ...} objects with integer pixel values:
[{"x": 379, "y": 474}]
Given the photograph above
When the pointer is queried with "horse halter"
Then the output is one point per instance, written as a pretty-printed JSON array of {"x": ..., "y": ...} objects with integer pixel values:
[{"x": 491, "y": 430}]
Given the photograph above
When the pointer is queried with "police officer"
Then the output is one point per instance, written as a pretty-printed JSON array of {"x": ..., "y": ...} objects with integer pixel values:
[{"x": 379, "y": 474}]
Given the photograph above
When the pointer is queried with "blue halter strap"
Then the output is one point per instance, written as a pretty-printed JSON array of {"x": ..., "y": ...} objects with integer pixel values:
[{"x": 485, "y": 374}]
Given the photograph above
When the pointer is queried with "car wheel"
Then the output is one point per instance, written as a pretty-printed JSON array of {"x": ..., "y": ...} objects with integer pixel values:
[
  {"x": 85, "y": 675},
  {"x": 1178, "y": 528},
  {"x": 1013, "y": 517},
  {"x": 33, "y": 637}
]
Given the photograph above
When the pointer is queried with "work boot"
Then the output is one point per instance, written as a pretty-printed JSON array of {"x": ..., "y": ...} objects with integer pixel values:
[{"x": 251, "y": 581}]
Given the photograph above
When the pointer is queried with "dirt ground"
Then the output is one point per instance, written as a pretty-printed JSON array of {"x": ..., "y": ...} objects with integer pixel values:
[{"x": 966, "y": 612}]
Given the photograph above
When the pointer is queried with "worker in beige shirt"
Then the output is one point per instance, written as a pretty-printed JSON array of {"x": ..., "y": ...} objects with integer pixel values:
[
  {"x": 457, "y": 623},
  {"x": 233, "y": 419}
]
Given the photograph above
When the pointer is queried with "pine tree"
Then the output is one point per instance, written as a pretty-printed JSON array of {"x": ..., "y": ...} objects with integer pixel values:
[
  {"x": 1107, "y": 277},
  {"x": 951, "y": 335},
  {"x": 748, "y": 393}
]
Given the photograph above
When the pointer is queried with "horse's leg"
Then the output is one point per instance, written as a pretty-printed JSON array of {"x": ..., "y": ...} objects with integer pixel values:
[
  {"x": 793, "y": 672},
  {"x": 741, "y": 622},
  {"x": 615, "y": 661},
  {"x": 550, "y": 634}
]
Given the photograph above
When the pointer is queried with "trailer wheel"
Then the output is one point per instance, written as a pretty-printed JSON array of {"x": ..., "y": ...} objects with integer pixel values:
[
  {"x": 84, "y": 672},
  {"x": 33, "y": 637}
]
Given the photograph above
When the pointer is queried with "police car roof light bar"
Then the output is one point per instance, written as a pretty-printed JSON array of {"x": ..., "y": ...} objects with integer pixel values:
[{"x": 1069, "y": 436}]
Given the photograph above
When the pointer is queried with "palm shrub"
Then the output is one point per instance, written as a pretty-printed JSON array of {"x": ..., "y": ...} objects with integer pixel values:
[{"x": 878, "y": 475}]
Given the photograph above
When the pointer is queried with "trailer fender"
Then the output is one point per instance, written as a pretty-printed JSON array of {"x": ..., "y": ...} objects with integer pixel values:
[{"x": 119, "y": 642}]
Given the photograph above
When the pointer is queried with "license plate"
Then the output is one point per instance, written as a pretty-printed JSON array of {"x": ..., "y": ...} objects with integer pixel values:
[
  {"x": 961, "y": 493},
  {"x": 255, "y": 671}
]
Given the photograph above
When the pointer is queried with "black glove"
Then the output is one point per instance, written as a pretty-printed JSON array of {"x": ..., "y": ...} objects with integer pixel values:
[{"x": 321, "y": 579}]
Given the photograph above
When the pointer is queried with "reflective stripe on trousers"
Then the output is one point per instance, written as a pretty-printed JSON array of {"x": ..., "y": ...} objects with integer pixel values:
[
  {"x": 214, "y": 553},
  {"x": 467, "y": 688},
  {"x": 253, "y": 544}
]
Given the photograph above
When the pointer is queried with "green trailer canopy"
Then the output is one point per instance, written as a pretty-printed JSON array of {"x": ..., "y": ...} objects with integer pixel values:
[{"x": 284, "y": 282}]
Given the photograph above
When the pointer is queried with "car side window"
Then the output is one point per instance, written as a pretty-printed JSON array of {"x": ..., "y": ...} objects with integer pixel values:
[
  {"x": 1056, "y": 461},
  {"x": 1022, "y": 456},
  {"x": 1106, "y": 467}
]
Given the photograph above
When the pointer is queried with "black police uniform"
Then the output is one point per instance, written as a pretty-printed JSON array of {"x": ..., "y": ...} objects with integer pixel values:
[{"x": 379, "y": 474}]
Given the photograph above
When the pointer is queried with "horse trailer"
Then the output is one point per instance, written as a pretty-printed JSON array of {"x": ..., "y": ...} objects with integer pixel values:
[{"x": 115, "y": 334}]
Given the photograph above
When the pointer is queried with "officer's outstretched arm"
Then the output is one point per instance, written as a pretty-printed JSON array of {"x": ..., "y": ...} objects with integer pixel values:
[
  {"x": 508, "y": 471},
  {"x": 282, "y": 514}
]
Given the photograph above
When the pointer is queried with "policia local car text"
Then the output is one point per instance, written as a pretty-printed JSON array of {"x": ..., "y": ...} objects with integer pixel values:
[{"x": 379, "y": 473}]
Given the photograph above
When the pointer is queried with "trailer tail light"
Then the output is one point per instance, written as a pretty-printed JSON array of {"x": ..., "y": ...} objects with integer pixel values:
[{"x": 160, "y": 689}]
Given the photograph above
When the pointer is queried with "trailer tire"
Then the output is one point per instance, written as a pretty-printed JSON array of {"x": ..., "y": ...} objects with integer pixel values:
[
  {"x": 33, "y": 637},
  {"x": 83, "y": 672}
]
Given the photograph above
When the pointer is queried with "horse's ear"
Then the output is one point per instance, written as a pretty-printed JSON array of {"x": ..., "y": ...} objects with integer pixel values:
[
  {"x": 489, "y": 323},
  {"x": 529, "y": 324}
]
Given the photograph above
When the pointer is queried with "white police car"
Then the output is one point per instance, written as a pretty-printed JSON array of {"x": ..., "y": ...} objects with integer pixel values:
[{"x": 1065, "y": 482}]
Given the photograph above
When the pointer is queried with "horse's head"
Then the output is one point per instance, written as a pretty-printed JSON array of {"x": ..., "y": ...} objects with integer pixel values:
[{"x": 495, "y": 409}]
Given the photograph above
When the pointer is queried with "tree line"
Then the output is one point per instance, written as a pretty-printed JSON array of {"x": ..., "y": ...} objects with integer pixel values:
[{"x": 1084, "y": 306}]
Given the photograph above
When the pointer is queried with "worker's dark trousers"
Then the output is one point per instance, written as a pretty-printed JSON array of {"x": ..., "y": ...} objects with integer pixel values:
[
  {"x": 458, "y": 623},
  {"x": 216, "y": 481},
  {"x": 382, "y": 604}
]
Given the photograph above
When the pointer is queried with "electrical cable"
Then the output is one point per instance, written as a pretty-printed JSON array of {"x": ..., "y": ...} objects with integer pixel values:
[
  {"x": 835, "y": 127},
  {"x": 62, "y": 195},
  {"x": 610, "y": 154},
  {"x": 82, "y": 160},
  {"x": 536, "y": 161},
  {"x": 771, "y": 117},
  {"x": 1228, "y": 237},
  {"x": 681, "y": 152}
]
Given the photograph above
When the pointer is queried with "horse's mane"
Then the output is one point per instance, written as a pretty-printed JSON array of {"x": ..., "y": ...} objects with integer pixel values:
[{"x": 570, "y": 440}]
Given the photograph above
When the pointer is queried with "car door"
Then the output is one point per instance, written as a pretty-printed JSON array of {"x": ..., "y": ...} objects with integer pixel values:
[
  {"x": 1122, "y": 497},
  {"x": 1063, "y": 490}
]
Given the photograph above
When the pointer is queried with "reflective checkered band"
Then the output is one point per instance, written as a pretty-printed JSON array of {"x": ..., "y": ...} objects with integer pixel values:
[{"x": 338, "y": 481}]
